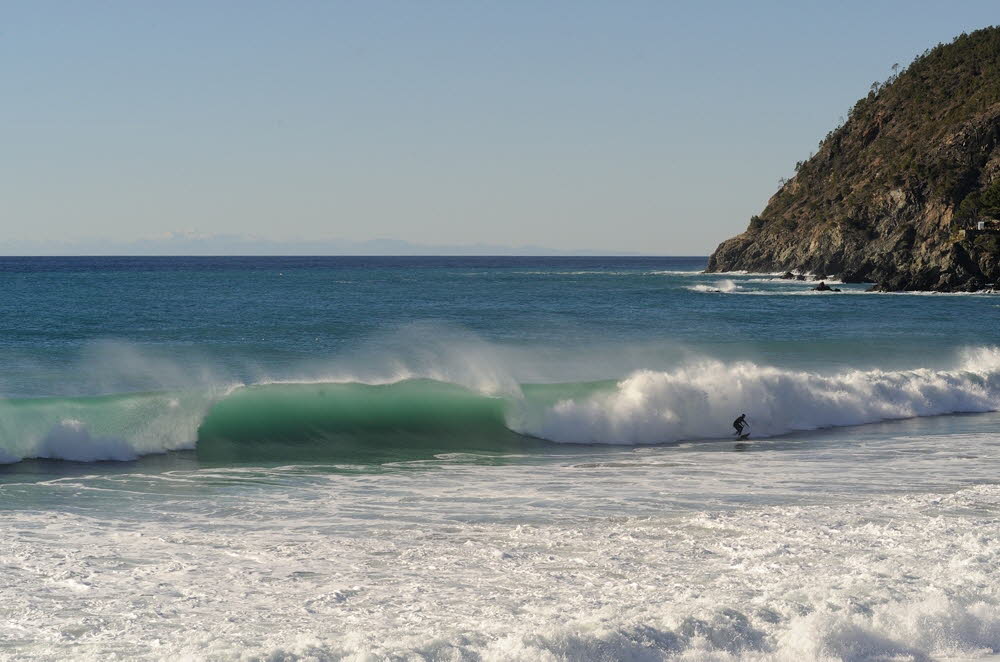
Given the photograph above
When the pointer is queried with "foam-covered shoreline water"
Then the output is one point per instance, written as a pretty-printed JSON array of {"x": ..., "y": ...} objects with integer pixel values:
[{"x": 907, "y": 577}]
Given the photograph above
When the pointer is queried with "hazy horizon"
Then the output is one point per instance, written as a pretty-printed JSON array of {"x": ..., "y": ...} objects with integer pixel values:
[
  {"x": 231, "y": 245},
  {"x": 649, "y": 127}
]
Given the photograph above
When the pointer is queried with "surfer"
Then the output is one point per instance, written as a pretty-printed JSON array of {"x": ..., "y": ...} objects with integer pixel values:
[{"x": 739, "y": 424}]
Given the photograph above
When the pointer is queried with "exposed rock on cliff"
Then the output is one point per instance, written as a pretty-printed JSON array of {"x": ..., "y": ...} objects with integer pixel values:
[{"x": 905, "y": 193}]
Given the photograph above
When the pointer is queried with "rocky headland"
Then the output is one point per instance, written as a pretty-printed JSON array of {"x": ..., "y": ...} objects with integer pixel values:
[{"x": 905, "y": 194}]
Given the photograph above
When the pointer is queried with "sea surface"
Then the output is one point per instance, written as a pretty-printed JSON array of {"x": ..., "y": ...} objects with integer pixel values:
[{"x": 463, "y": 459}]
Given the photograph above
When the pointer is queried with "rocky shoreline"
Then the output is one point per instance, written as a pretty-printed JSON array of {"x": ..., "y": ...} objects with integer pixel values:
[
  {"x": 824, "y": 281},
  {"x": 905, "y": 195}
]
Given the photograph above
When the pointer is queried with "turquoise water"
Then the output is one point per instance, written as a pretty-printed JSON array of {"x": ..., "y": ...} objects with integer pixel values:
[{"x": 491, "y": 459}]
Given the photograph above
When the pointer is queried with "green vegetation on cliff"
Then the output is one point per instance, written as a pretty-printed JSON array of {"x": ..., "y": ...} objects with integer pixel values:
[{"x": 890, "y": 192}]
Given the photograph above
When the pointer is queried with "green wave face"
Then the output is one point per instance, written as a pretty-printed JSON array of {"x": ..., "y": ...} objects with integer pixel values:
[
  {"x": 354, "y": 422},
  {"x": 323, "y": 422}
]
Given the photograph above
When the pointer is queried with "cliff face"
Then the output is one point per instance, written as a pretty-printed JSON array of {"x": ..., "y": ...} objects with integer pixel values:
[{"x": 893, "y": 196}]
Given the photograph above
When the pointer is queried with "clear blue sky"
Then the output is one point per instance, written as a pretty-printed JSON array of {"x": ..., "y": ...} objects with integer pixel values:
[{"x": 658, "y": 127}]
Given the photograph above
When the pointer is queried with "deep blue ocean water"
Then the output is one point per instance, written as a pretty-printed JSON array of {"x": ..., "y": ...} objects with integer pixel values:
[
  {"x": 505, "y": 458},
  {"x": 273, "y": 312}
]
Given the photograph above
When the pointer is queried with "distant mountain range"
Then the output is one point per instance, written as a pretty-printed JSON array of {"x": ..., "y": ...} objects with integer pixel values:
[{"x": 191, "y": 244}]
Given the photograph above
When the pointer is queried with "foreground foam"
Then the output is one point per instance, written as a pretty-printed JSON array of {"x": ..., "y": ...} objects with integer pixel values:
[{"x": 889, "y": 578}]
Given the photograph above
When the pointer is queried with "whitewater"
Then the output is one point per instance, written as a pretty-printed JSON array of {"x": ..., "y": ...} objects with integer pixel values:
[{"x": 491, "y": 459}]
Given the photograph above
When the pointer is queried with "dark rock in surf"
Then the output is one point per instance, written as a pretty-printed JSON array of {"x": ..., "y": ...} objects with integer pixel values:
[{"x": 855, "y": 276}]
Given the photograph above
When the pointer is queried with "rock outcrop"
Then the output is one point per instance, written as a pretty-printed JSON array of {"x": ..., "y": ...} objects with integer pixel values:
[{"x": 905, "y": 193}]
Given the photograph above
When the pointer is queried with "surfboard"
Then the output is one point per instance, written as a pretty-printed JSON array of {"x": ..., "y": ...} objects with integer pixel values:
[{"x": 744, "y": 437}]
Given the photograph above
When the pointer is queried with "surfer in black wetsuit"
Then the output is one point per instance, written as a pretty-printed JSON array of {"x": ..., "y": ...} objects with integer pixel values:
[{"x": 739, "y": 424}]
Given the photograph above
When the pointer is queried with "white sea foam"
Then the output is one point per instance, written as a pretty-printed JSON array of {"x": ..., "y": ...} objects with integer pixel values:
[
  {"x": 71, "y": 440},
  {"x": 699, "y": 400},
  {"x": 495, "y": 577},
  {"x": 94, "y": 429},
  {"x": 725, "y": 285}
]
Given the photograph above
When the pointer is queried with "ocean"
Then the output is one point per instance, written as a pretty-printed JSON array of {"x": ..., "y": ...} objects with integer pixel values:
[{"x": 491, "y": 458}]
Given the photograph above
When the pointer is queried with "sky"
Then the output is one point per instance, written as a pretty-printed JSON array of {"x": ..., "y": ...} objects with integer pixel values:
[{"x": 652, "y": 127}]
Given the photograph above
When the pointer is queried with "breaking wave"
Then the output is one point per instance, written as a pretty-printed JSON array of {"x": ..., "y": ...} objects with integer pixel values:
[
  {"x": 726, "y": 285},
  {"x": 87, "y": 429},
  {"x": 695, "y": 401},
  {"x": 698, "y": 401}
]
